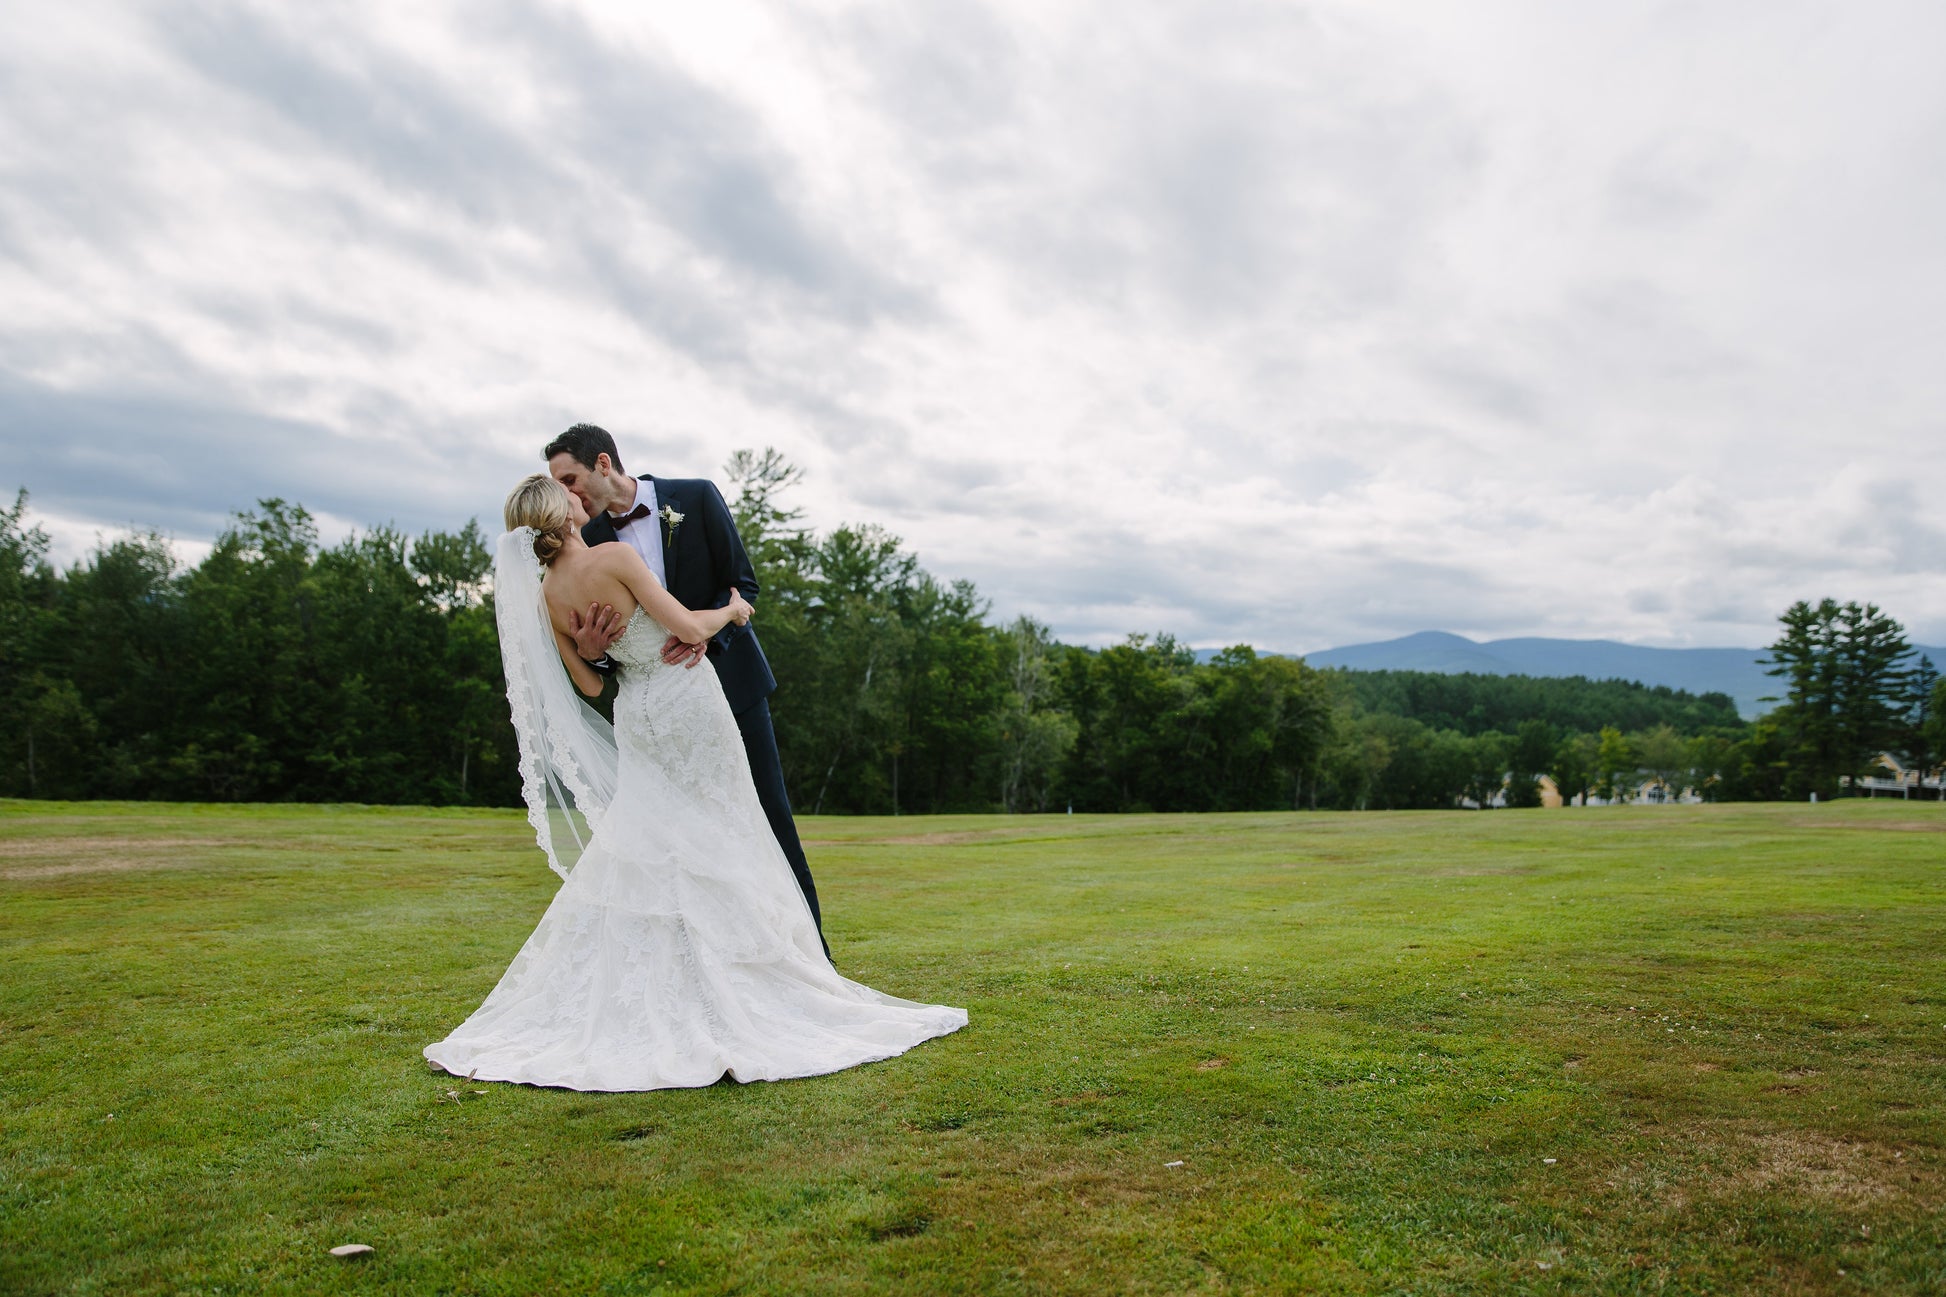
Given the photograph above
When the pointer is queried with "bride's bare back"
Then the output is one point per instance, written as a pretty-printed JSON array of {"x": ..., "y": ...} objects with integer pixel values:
[
  {"x": 583, "y": 576},
  {"x": 590, "y": 575}
]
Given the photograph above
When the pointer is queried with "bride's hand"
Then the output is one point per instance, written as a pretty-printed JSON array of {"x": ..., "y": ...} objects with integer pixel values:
[{"x": 740, "y": 609}]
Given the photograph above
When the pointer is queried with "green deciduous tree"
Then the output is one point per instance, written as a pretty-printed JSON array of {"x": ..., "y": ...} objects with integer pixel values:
[
  {"x": 1528, "y": 758},
  {"x": 843, "y": 706},
  {"x": 1270, "y": 719},
  {"x": 27, "y": 587},
  {"x": 1034, "y": 735},
  {"x": 1387, "y": 762},
  {"x": 453, "y": 566},
  {"x": 1664, "y": 755},
  {"x": 1122, "y": 698},
  {"x": 1712, "y": 758},
  {"x": 1615, "y": 767},
  {"x": 1574, "y": 766},
  {"x": 1486, "y": 769},
  {"x": 1355, "y": 760},
  {"x": 1757, "y": 766}
]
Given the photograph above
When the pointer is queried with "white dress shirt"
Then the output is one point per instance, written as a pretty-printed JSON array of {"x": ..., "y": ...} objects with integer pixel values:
[{"x": 644, "y": 535}]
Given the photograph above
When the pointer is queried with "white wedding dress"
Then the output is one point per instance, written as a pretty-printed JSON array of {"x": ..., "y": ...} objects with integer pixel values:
[{"x": 679, "y": 948}]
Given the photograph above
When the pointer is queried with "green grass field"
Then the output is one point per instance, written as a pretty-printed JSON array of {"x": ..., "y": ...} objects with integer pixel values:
[{"x": 1686, "y": 1049}]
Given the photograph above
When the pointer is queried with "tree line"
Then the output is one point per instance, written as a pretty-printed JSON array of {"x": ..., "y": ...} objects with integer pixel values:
[{"x": 279, "y": 669}]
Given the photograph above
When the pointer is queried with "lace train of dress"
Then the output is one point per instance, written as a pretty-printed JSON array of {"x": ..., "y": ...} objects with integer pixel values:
[{"x": 679, "y": 948}]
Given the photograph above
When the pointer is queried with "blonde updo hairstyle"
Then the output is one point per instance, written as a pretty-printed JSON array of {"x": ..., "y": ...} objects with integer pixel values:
[{"x": 541, "y": 503}]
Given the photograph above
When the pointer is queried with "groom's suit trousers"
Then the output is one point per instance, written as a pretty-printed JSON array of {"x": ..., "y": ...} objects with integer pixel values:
[{"x": 767, "y": 770}]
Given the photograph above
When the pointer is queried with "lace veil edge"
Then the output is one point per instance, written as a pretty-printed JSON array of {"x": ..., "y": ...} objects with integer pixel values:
[{"x": 567, "y": 748}]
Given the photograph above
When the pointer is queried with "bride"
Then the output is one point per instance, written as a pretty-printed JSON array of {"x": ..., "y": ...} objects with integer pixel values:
[{"x": 679, "y": 947}]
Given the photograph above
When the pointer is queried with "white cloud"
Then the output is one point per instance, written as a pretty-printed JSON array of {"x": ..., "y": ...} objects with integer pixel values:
[{"x": 1247, "y": 321}]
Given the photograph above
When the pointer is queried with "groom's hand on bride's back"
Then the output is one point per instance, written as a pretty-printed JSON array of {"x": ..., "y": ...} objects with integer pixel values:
[
  {"x": 594, "y": 633},
  {"x": 678, "y": 654}
]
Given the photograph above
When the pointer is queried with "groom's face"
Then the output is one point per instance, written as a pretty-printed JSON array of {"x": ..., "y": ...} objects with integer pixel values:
[{"x": 595, "y": 487}]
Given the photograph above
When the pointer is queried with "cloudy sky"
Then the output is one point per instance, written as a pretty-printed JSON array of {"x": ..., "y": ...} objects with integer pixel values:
[{"x": 1283, "y": 323}]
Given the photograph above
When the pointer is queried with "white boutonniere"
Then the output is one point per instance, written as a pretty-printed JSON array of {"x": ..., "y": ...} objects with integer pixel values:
[{"x": 670, "y": 521}]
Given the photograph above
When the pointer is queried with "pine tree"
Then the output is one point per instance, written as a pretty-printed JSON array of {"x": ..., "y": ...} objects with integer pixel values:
[
  {"x": 1847, "y": 687},
  {"x": 1919, "y": 742}
]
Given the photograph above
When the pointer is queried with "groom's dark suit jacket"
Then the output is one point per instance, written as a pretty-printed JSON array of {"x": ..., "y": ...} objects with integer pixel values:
[{"x": 704, "y": 558}]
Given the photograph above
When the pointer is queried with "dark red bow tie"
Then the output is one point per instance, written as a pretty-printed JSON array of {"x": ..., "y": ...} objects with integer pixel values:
[{"x": 639, "y": 511}]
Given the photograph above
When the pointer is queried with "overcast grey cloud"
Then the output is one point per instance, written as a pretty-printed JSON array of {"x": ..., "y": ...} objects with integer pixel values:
[{"x": 1295, "y": 324}]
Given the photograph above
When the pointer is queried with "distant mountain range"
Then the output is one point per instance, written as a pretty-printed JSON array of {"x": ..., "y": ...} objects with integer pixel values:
[{"x": 1736, "y": 672}]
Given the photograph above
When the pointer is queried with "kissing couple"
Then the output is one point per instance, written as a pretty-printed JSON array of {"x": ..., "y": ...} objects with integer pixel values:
[{"x": 685, "y": 941}]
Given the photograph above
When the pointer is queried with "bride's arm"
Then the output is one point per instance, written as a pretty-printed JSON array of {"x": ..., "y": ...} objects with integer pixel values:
[
  {"x": 686, "y": 624},
  {"x": 586, "y": 678}
]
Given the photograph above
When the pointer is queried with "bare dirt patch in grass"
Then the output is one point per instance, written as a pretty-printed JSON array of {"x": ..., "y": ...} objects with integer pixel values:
[
  {"x": 1070, "y": 1100},
  {"x": 1819, "y": 1165},
  {"x": 917, "y": 839},
  {"x": 1886, "y": 826},
  {"x": 56, "y": 857},
  {"x": 1818, "y": 1171}
]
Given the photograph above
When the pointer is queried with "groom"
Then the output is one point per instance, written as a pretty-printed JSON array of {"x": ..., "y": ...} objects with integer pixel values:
[{"x": 683, "y": 530}]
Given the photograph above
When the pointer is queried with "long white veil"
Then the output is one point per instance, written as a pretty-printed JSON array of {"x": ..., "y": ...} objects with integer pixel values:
[{"x": 567, "y": 748}]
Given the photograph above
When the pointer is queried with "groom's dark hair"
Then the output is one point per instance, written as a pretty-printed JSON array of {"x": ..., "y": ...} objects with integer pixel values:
[{"x": 585, "y": 442}]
